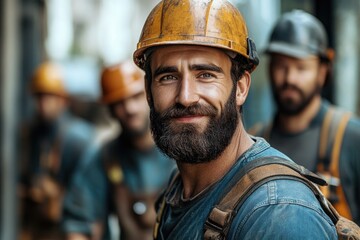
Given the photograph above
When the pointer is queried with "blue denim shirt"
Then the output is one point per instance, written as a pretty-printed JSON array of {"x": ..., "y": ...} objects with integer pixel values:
[{"x": 280, "y": 209}]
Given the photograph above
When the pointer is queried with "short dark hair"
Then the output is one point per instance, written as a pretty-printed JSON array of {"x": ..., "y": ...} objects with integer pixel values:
[{"x": 239, "y": 65}]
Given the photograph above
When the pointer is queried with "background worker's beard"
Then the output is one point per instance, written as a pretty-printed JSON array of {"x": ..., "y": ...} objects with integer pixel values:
[
  {"x": 134, "y": 133},
  {"x": 183, "y": 142},
  {"x": 290, "y": 107}
]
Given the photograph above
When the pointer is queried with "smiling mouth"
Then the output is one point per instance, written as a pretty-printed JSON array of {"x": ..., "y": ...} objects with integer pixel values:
[
  {"x": 188, "y": 118},
  {"x": 289, "y": 92}
]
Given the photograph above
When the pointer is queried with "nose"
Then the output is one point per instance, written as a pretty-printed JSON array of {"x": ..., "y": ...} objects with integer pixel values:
[
  {"x": 129, "y": 106},
  {"x": 291, "y": 75},
  {"x": 187, "y": 93}
]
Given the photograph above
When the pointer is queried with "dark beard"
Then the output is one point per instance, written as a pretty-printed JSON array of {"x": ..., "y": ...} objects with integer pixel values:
[
  {"x": 135, "y": 133},
  {"x": 183, "y": 142},
  {"x": 289, "y": 107}
]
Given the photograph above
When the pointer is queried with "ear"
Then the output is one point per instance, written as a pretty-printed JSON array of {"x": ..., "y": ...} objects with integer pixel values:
[
  {"x": 242, "y": 88},
  {"x": 323, "y": 71}
]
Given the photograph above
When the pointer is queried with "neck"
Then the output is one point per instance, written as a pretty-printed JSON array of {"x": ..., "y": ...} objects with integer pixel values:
[
  {"x": 299, "y": 122},
  {"x": 197, "y": 177}
]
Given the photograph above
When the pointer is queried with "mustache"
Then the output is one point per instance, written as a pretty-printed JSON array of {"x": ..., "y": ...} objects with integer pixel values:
[
  {"x": 289, "y": 86},
  {"x": 179, "y": 110}
]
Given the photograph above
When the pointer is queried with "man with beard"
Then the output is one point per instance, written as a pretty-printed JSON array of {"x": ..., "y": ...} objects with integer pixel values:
[
  {"x": 124, "y": 176},
  {"x": 51, "y": 146},
  {"x": 197, "y": 59},
  {"x": 306, "y": 127}
]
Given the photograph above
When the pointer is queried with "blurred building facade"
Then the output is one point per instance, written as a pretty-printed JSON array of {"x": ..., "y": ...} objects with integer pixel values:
[{"x": 85, "y": 35}]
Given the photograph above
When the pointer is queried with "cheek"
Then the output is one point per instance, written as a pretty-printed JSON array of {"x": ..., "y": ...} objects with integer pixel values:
[
  {"x": 49, "y": 105},
  {"x": 163, "y": 98},
  {"x": 308, "y": 81},
  {"x": 119, "y": 111},
  {"x": 277, "y": 77},
  {"x": 144, "y": 108},
  {"x": 217, "y": 96}
]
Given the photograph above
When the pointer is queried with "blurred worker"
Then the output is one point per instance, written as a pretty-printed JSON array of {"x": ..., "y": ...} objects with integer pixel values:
[
  {"x": 306, "y": 127},
  {"x": 197, "y": 58},
  {"x": 50, "y": 148},
  {"x": 126, "y": 175}
]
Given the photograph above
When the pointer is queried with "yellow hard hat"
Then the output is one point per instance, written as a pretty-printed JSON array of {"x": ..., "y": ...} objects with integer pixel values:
[
  {"x": 48, "y": 79},
  {"x": 214, "y": 23},
  {"x": 121, "y": 81}
]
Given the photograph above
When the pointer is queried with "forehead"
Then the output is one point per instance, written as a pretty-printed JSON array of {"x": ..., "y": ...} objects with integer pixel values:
[
  {"x": 46, "y": 96},
  {"x": 285, "y": 58},
  {"x": 176, "y": 54}
]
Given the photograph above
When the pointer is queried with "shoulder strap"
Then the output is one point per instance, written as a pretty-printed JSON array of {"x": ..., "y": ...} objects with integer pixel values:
[
  {"x": 335, "y": 154},
  {"x": 252, "y": 176},
  {"x": 324, "y": 133},
  {"x": 163, "y": 203},
  {"x": 332, "y": 133}
]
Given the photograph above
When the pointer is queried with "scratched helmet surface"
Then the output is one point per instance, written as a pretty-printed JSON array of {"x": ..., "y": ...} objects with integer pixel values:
[{"x": 213, "y": 23}]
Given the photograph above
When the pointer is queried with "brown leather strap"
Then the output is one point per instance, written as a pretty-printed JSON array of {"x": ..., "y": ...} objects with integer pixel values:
[
  {"x": 342, "y": 205},
  {"x": 163, "y": 204},
  {"x": 50, "y": 158},
  {"x": 335, "y": 155},
  {"x": 324, "y": 133},
  {"x": 332, "y": 133},
  {"x": 220, "y": 218}
]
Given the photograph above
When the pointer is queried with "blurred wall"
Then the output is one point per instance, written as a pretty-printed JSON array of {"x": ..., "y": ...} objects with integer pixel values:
[
  {"x": 346, "y": 37},
  {"x": 260, "y": 16},
  {"x": 9, "y": 87}
]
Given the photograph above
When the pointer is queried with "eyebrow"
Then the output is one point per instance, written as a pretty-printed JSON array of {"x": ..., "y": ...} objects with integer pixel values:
[
  {"x": 162, "y": 70},
  {"x": 197, "y": 67},
  {"x": 207, "y": 67}
]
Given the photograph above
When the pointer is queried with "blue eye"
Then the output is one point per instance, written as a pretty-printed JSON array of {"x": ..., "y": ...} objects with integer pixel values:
[
  {"x": 206, "y": 75},
  {"x": 167, "y": 78}
]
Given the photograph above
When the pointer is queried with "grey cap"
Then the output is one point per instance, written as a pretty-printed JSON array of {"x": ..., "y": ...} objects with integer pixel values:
[{"x": 298, "y": 34}]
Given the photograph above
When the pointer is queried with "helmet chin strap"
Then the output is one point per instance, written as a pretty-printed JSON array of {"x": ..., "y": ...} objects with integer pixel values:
[{"x": 253, "y": 56}]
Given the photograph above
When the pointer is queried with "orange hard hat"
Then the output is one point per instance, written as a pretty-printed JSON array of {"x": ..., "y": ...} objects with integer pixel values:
[
  {"x": 196, "y": 22},
  {"x": 121, "y": 81},
  {"x": 48, "y": 79}
]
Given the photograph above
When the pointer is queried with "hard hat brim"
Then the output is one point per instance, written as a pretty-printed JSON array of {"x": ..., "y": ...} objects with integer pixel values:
[
  {"x": 142, "y": 49},
  {"x": 120, "y": 94},
  {"x": 289, "y": 50}
]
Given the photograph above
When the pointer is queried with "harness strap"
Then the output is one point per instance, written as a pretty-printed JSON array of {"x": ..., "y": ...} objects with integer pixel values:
[
  {"x": 163, "y": 204},
  {"x": 324, "y": 134},
  {"x": 259, "y": 172},
  {"x": 332, "y": 133},
  {"x": 342, "y": 205},
  {"x": 335, "y": 155}
]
